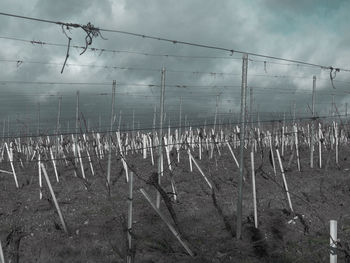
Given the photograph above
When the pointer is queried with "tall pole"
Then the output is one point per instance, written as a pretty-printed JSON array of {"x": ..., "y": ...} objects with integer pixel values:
[
  {"x": 38, "y": 116},
  {"x": 8, "y": 126},
  {"x": 58, "y": 115},
  {"x": 133, "y": 122},
  {"x": 216, "y": 112},
  {"x": 154, "y": 121},
  {"x": 251, "y": 101},
  {"x": 312, "y": 123},
  {"x": 99, "y": 122},
  {"x": 120, "y": 119},
  {"x": 160, "y": 148},
  {"x": 294, "y": 108},
  {"x": 77, "y": 115},
  {"x": 110, "y": 134},
  {"x": 180, "y": 117},
  {"x": 333, "y": 107},
  {"x": 346, "y": 109},
  {"x": 242, "y": 141}
]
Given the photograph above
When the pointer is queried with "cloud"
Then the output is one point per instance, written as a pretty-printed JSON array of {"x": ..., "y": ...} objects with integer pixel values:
[{"x": 314, "y": 31}]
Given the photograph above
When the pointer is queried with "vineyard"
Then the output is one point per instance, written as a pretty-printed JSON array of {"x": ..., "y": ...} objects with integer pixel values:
[{"x": 171, "y": 164}]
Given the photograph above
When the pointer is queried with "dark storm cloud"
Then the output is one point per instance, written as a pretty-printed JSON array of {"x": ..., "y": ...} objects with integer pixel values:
[{"x": 313, "y": 31}]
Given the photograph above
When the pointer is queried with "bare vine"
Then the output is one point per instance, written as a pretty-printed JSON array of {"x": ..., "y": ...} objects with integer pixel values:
[{"x": 89, "y": 29}]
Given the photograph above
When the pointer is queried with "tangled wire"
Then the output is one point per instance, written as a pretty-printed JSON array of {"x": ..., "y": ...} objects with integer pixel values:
[{"x": 89, "y": 29}]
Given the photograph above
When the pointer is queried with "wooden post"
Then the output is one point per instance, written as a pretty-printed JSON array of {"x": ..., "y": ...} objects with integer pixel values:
[
  {"x": 294, "y": 108},
  {"x": 333, "y": 107},
  {"x": 254, "y": 190},
  {"x": 283, "y": 131},
  {"x": 284, "y": 181},
  {"x": 166, "y": 221},
  {"x": 54, "y": 199},
  {"x": 99, "y": 122},
  {"x": 58, "y": 115},
  {"x": 242, "y": 141},
  {"x": 216, "y": 112},
  {"x": 200, "y": 170},
  {"x": 297, "y": 146},
  {"x": 129, "y": 256},
  {"x": 40, "y": 178},
  {"x": 319, "y": 145},
  {"x": 160, "y": 146},
  {"x": 180, "y": 117},
  {"x": 333, "y": 241},
  {"x": 251, "y": 100},
  {"x": 77, "y": 116},
  {"x": 110, "y": 135},
  {"x": 10, "y": 155},
  {"x": 346, "y": 109},
  {"x": 120, "y": 119},
  {"x": 312, "y": 123},
  {"x": 272, "y": 154},
  {"x": 38, "y": 123}
]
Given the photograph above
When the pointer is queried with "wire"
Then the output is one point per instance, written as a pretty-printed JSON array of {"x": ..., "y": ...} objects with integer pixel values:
[
  {"x": 102, "y": 50},
  {"x": 232, "y": 51},
  {"x": 74, "y": 83},
  {"x": 193, "y": 125}
]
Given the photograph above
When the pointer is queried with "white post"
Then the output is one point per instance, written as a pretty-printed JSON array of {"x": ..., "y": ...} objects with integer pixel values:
[
  {"x": 54, "y": 199},
  {"x": 319, "y": 145},
  {"x": 272, "y": 155},
  {"x": 254, "y": 190},
  {"x": 40, "y": 178},
  {"x": 297, "y": 146},
  {"x": 160, "y": 146},
  {"x": 110, "y": 135},
  {"x": 232, "y": 153},
  {"x": 10, "y": 155},
  {"x": 333, "y": 240},
  {"x": 284, "y": 181},
  {"x": 2, "y": 259}
]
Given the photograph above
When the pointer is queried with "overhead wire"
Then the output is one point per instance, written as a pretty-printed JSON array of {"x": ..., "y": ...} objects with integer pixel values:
[{"x": 173, "y": 41}]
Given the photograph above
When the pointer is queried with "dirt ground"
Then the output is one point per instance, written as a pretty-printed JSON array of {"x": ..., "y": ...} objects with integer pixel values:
[{"x": 96, "y": 217}]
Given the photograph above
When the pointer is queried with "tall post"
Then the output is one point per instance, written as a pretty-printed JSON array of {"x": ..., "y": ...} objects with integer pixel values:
[
  {"x": 3, "y": 130},
  {"x": 251, "y": 117},
  {"x": 312, "y": 123},
  {"x": 346, "y": 109},
  {"x": 58, "y": 115},
  {"x": 38, "y": 124},
  {"x": 77, "y": 115},
  {"x": 251, "y": 101},
  {"x": 180, "y": 117},
  {"x": 216, "y": 112},
  {"x": 294, "y": 109},
  {"x": 333, "y": 107},
  {"x": 258, "y": 114},
  {"x": 242, "y": 141},
  {"x": 154, "y": 121},
  {"x": 120, "y": 120},
  {"x": 160, "y": 147},
  {"x": 99, "y": 122},
  {"x": 110, "y": 135}
]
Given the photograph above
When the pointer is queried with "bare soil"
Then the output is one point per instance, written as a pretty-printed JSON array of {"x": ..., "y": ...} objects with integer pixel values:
[{"x": 96, "y": 215}]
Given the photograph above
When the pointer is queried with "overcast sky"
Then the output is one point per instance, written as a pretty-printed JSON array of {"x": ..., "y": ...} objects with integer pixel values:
[{"x": 311, "y": 31}]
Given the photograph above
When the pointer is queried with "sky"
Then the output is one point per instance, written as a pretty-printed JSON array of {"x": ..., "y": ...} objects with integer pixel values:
[{"x": 311, "y": 31}]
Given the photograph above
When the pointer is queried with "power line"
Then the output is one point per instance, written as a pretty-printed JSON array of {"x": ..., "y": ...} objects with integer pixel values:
[{"x": 90, "y": 28}]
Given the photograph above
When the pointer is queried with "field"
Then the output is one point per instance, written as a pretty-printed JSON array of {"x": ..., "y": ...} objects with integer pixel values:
[{"x": 96, "y": 213}]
